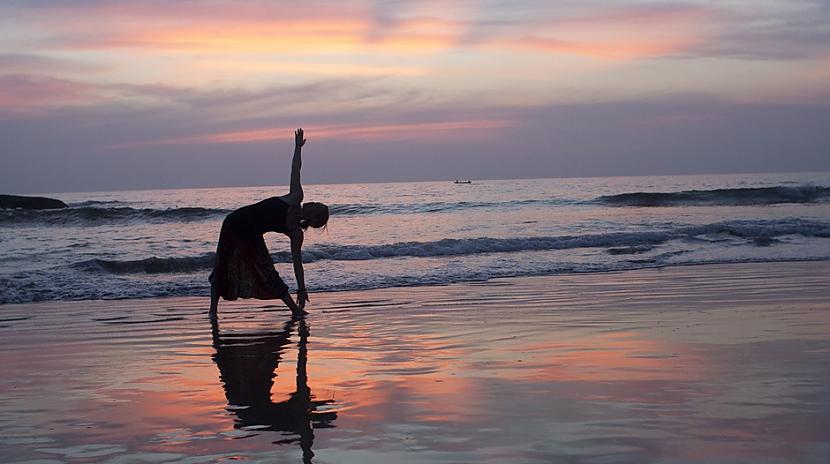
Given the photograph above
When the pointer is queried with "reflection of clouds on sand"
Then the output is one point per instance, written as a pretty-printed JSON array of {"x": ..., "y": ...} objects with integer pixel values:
[
  {"x": 598, "y": 365},
  {"x": 501, "y": 378},
  {"x": 607, "y": 357},
  {"x": 248, "y": 365},
  {"x": 687, "y": 364},
  {"x": 389, "y": 371}
]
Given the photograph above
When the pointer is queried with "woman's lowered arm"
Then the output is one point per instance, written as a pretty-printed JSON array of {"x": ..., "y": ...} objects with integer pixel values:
[{"x": 297, "y": 257}]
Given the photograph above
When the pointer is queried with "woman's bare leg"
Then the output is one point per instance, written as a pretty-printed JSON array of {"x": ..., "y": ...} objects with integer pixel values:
[{"x": 214, "y": 302}]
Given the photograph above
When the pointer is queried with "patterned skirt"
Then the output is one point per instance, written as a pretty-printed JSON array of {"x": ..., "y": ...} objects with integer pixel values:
[{"x": 244, "y": 269}]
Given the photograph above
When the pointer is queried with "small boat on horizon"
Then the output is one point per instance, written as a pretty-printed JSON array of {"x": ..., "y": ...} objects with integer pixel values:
[{"x": 463, "y": 181}]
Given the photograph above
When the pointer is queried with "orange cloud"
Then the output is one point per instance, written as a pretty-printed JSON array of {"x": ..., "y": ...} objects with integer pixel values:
[
  {"x": 293, "y": 36},
  {"x": 306, "y": 68},
  {"x": 376, "y": 132},
  {"x": 314, "y": 35}
]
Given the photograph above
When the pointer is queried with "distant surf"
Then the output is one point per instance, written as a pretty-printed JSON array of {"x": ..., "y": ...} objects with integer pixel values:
[
  {"x": 93, "y": 213},
  {"x": 721, "y": 197}
]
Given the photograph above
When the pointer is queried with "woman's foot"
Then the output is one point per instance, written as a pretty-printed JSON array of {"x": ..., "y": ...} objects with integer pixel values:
[
  {"x": 298, "y": 314},
  {"x": 296, "y": 311}
]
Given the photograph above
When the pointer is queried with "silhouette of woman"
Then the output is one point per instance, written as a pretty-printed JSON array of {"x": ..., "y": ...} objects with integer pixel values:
[
  {"x": 247, "y": 368},
  {"x": 243, "y": 267}
]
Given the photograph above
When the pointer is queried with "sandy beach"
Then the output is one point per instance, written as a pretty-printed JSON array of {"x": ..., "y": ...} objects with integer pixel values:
[{"x": 713, "y": 363}]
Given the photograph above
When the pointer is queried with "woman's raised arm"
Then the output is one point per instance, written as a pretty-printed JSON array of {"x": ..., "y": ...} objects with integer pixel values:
[{"x": 296, "y": 191}]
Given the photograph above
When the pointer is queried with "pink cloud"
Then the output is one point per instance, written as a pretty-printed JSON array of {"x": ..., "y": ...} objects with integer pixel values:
[
  {"x": 231, "y": 28},
  {"x": 32, "y": 91}
]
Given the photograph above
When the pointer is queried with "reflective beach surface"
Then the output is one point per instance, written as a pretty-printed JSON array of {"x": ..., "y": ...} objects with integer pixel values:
[{"x": 710, "y": 364}]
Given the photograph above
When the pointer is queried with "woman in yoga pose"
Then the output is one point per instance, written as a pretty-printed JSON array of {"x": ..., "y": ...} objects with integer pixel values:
[{"x": 243, "y": 266}]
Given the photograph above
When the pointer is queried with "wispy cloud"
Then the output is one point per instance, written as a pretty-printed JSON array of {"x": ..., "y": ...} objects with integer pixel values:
[
  {"x": 34, "y": 63},
  {"x": 385, "y": 132},
  {"x": 32, "y": 94},
  {"x": 597, "y": 29},
  {"x": 615, "y": 33},
  {"x": 232, "y": 27}
]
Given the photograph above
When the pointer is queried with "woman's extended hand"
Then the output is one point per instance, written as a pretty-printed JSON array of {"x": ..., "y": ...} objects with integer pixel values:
[{"x": 298, "y": 137}]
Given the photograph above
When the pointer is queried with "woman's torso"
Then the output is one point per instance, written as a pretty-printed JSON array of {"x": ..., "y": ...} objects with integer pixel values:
[{"x": 268, "y": 215}]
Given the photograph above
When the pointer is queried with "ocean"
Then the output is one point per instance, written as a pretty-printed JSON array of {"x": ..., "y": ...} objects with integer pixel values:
[{"x": 153, "y": 243}]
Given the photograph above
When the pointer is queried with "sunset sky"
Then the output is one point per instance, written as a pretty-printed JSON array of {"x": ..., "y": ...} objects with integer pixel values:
[{"x": 119, "y": 95}]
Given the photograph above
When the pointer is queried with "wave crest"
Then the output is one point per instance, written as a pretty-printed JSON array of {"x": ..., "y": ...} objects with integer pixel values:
[{"x": 759, "y": 233}]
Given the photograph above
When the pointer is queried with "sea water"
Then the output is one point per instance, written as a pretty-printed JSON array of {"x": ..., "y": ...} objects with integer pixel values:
[{"x": 152, "y": 243}]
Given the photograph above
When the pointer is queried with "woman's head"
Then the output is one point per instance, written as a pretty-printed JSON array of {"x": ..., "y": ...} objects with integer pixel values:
[{"x": 314, "y": 214}]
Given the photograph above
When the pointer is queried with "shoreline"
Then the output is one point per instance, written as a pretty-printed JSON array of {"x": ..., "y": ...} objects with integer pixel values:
[{"x": 462, "y": 282}]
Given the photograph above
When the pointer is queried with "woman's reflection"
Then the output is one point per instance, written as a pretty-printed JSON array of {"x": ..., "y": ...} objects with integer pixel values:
[{"x": 247, "y": 367}]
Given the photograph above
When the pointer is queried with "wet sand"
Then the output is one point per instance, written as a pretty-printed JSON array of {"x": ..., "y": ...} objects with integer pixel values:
[{"x": 709, "y": 364}]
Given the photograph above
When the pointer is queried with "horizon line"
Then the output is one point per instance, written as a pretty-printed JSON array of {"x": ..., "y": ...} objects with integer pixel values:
[{"x": 474, "y": 179}]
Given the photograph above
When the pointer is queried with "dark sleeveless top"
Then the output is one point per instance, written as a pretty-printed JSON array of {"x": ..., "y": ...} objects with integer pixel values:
[{"x": 254, "y": 220}]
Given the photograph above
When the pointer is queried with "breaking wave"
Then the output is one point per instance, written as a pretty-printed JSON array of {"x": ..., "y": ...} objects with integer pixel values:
[
  {"x": 153, "y": 265},
  {"x": 760, "y": 233},
  {"x": 89, "y": 215}
]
